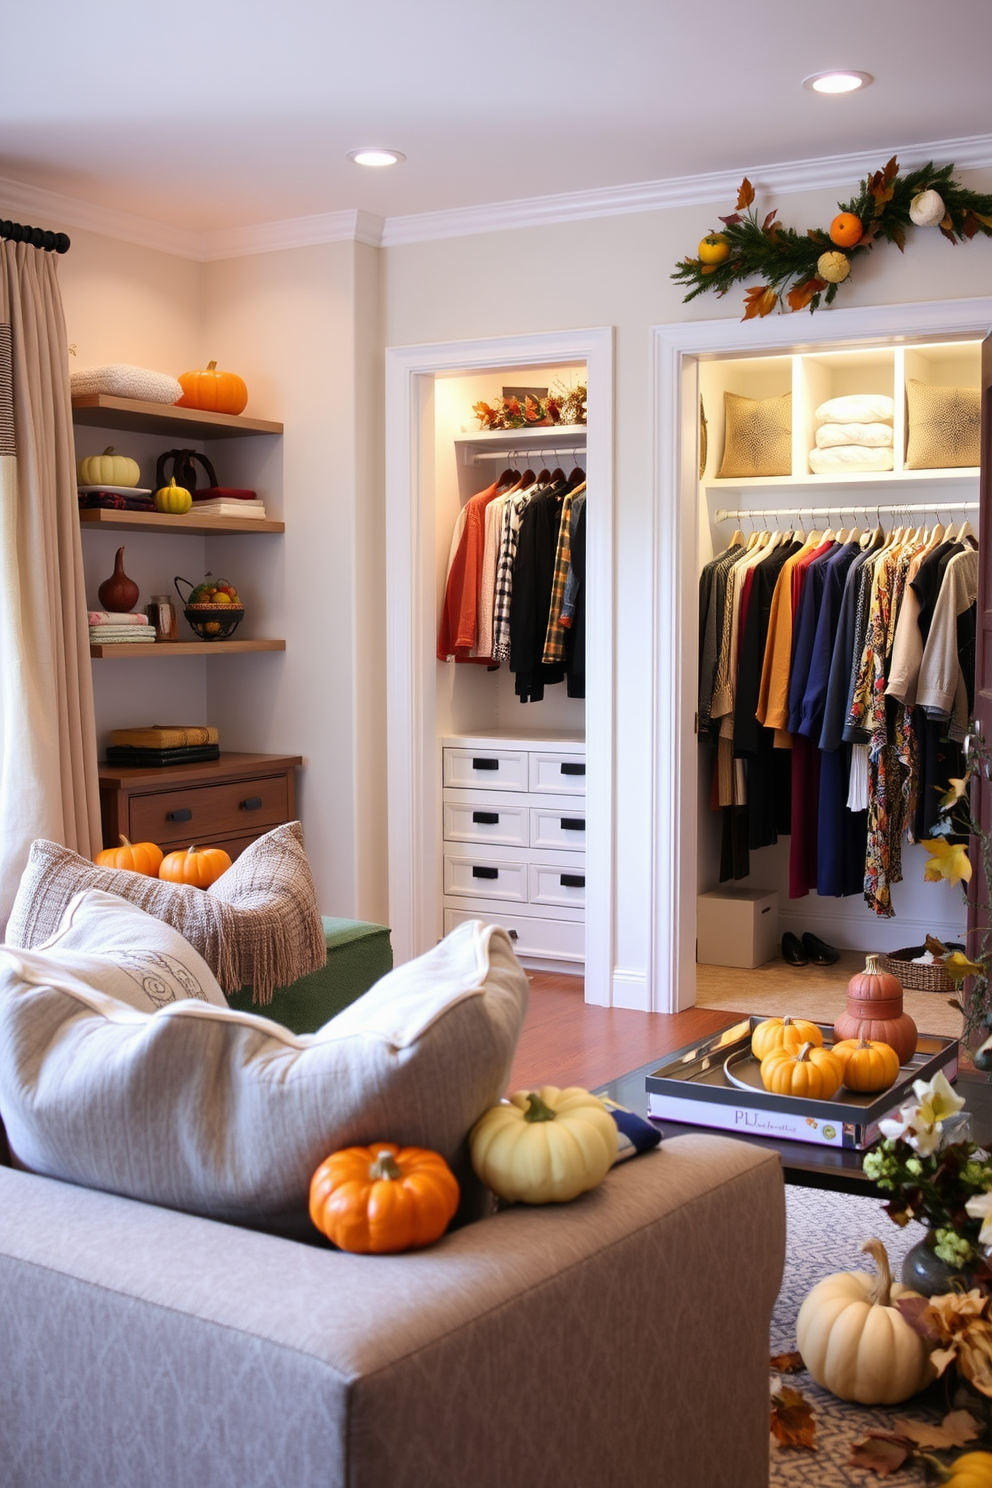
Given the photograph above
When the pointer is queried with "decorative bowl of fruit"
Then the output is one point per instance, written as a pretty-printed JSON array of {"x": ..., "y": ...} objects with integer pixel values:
[{"x": 212, "y": 607}]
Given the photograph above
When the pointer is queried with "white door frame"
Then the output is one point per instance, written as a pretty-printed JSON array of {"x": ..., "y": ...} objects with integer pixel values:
[
  {"x": 414, "y": 793},
  {"x": 675, "y": 351}
]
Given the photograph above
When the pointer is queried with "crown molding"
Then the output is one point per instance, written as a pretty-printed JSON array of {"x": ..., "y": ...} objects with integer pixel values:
[{"x": 42, "y": 207}]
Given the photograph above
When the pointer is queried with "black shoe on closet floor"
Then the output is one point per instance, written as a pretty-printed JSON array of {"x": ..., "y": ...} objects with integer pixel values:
[
  {"x": 819, "y": 952},
  {"x": 792, "y": 950}
]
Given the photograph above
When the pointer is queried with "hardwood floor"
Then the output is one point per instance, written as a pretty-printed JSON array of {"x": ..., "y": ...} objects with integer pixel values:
[{"x": 566, "y": 1042}]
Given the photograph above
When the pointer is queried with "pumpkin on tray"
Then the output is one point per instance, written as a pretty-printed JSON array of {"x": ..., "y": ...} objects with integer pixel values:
[
  {"x": 874, "y": 1008},
  {"x": 808, "y": 1071},
  {"x": 783, "y": 1033},
  {"x": 868, "y": 1065}
]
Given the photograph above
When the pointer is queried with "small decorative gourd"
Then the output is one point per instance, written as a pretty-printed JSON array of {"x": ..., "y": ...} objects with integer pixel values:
[
  {"x": 867, "y": 1065},
  {"x": 833, "y": 266},
  {"x": 382, "y": 1199},
  {"x": 874, "y": 1008},
  {"x": 783, "y": 1033},
  {"x": 199, "y": 866},
  {"x": 808, "y": 1071},
  {"x": 856, "y": 1343},
  {"x": 108, "y": 469},
  {"x": 927, "y": 209},
  {"x": 173, "y": 499},
  {"x": 544, "y": 1146},
  {"x": 136, "y": 857},
  {"x": 118, "y": 594}
]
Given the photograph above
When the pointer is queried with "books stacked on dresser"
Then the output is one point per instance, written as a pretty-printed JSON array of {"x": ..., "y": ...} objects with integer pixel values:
[
  {"x": 163, "y": 744},
  {"x": 125, "y": 628}
]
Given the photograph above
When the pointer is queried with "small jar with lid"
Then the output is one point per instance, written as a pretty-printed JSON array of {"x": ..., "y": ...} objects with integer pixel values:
[{"x": 162, "y": 615}]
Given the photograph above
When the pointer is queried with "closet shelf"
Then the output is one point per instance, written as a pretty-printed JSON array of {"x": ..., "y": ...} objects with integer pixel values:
[
  {"x": 191, "y": 524},
  {"x": 102, "y": 411},
  {"x": 134, "y": 649},
  {"x": 963, "y": 477},
  {"x": 551, "y": 437}
]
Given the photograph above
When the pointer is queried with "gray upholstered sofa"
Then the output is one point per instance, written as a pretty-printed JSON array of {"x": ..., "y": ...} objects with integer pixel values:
[{"x": 615, "y": 1342}]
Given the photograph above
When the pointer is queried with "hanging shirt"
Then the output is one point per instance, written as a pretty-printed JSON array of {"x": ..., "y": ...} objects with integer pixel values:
[{"x": 458, "y": 631}]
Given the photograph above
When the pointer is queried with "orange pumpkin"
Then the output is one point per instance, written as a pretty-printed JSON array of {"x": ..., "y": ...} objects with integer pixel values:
[
  {"x": 874, "y": 1008},
  {"x": 783, "y": 1033},
  {"x": 382, "y": 1198},
  {"x": 136, "y": 857},
  {"x": 808, "y": 1071},
  {"x": 867, "y": 1065},
  {"x": 217, "y": 392},
  {"x": 199, "y": 866},
  {"x": 846, "y": 230}
]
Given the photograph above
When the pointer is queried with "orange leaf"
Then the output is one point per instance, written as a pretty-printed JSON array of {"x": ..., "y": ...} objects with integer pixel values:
[
  {"x": 746, "y": 194},
  {"x": 792, "y": 1421},
  {"x": 789, "y": 1363},
  {"x": 760, "y": 299},
  {"x": 800, "y": 296},
  {"x": 768, "y": 221}
]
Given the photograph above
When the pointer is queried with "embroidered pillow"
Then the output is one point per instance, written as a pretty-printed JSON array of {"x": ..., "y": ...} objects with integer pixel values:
[
  {"x": 944, "y": 426},
  {"x": 758, "y": 437}
]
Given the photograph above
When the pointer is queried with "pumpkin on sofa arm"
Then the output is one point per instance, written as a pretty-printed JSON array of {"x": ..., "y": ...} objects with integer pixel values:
[
  {"x": 544, "y": 1146},
  {"x": 382, "y": 1199}
]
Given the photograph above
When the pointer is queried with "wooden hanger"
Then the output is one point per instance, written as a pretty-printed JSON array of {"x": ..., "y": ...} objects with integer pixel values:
[
  {"x": 965, "y": 533},
  {"x": 577, "y": 476}
]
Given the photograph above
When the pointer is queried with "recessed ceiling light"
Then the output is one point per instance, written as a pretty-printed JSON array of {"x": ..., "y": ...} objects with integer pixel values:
[
  {"x": 375, "y": 157},
  {"x": 837, "y": 82}
]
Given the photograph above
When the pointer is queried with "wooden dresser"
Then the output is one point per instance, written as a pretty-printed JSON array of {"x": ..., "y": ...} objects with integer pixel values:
[{"x": 225, "y": 803}]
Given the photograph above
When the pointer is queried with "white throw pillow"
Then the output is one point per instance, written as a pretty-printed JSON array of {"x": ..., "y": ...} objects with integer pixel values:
[
  {"x": 115, "y": 947},
  {"x": 121, "y": 380},
  {"x": 876, "y": 435},
  {"x": 856, "y": 408},
  {"x": 848, "y": 458},
  {"x": 227, "y": 1114}
]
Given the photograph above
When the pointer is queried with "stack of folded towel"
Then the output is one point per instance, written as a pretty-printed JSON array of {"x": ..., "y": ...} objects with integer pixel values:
[
  {"x": 853, "y": 434},
  {"x": 110, "y": 629}
]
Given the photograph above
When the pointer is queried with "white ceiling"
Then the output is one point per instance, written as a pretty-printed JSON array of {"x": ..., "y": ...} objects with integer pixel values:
[{"x": 213, "y": 114}]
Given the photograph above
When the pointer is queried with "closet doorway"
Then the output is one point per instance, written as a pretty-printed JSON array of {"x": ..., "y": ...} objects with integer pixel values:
[
  {"x": 684, "y": 356},
  {"x": 420, "y": 711}
]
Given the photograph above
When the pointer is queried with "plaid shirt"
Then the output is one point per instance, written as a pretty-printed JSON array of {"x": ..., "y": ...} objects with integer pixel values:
[
  {"x": 554, "y": 640},
  {"x": 513, "y": 513}
]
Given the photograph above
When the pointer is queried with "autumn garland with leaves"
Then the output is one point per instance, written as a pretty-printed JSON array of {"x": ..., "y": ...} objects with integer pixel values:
[{"x": 788, "y": 262}]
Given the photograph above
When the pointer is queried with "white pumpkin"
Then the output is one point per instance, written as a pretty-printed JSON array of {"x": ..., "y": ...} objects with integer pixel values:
[
  {"x": 108, "y": 469},
  {"x": 927, "y": 209},
  {"x": 833, "y": 267},
  {"x": 544, "y": 1146},
  {"x": 855, "y": 1343}
]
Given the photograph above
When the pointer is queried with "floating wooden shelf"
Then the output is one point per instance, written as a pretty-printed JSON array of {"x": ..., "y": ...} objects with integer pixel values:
[
  {"x": 191, "y": 523},
  {"x": 125, "y": 649},
  {"x": 102, "y": 411}
]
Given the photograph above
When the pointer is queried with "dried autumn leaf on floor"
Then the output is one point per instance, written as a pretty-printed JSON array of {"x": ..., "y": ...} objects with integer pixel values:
[
  {"x": 956, "y": 1430},
  {"x": 789, "y": 1363},
  {"x": 792, "y": 1421},
  {"x": 879, "y": 1454}
]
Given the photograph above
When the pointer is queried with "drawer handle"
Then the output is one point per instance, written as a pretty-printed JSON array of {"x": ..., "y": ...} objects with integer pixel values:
[
  {"x": 486, "y": 818},
  {"x": 570, "y": 767},
  {"x": 513, "y": 934},
  {"x": 573, "y": 823},
  {"x": 485, "y": 873},
  {"x": 252, "y": 803},
  {"x": 485, "y": 764},
  {"x": 182, "y": 813},
  {"x": 573, "y": 880}
]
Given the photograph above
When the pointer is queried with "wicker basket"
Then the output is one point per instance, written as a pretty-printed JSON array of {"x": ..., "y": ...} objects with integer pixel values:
[{"x": 927, "y": 978}]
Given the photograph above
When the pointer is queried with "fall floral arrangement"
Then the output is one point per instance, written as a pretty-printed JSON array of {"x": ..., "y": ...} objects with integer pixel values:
[
  {"x": 565, "y": 406},
  {"x": 802, "y": 269}
]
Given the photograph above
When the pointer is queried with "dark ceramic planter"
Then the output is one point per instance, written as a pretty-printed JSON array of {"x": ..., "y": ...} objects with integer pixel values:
[{"x": 927, "y": 1274}]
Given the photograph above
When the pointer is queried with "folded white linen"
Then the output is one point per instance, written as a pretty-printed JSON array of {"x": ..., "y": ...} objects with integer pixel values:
[
  {"x": 828, "y": 436},
  {"x": 849, "y": 458},
  {"x": 856, "y": 408}
]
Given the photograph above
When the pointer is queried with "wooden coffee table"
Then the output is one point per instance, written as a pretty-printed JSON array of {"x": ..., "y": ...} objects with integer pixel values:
[{"x": 808, "y": 1164}]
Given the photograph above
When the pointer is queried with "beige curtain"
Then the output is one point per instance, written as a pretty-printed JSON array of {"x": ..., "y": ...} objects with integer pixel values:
[{"x": 48, "y": 762}]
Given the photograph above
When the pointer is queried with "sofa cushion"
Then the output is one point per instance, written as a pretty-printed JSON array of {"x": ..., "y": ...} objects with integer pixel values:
[
  {"x": 113, "y": 946},
  {"x": 227, "y": 1114},
  {"x": 257, "y": 924}
]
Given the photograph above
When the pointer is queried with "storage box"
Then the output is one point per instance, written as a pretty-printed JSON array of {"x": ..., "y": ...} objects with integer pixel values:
[{"x": 737, "y": 927}]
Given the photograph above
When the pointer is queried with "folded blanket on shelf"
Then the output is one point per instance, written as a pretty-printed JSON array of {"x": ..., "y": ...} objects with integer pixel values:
[
  {"x": 116, "y": 617},
  {"x": 121, "y": 380},
  {"x": 113, "y": 501},
  {"x": 828, "y": 436},
  {"x": 856, "y": 408},
  {"x": 112, "y": 635},
  {"x": 849, "y": 458}
]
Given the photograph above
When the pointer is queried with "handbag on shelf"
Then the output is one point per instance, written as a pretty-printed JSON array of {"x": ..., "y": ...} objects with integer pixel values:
[{"x": 185, "y": 473}]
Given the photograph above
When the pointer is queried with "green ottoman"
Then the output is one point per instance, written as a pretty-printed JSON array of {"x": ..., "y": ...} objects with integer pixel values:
[{"x": 358, "y": 954}]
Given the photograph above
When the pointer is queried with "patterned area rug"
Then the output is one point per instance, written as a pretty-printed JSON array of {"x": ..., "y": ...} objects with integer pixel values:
[{"x": 825, "y": 1231}]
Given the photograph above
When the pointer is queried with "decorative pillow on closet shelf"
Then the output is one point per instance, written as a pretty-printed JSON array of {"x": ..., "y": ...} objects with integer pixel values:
[
  {"x": 944, "y": 426},
  {"x": 856, "y": 408},
  {"x": 227, "y": 1114},
  {"x": 120, "y": 380},
  {"x": 848, "y": 457},
  {"x": 758, "y": 437},
  {"x": 828, "y": 436}
]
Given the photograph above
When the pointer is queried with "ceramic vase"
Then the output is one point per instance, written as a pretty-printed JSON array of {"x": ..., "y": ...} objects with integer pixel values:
[
  {"x": 926, "y": 1273},
  {"x": 118, "y": 594}
]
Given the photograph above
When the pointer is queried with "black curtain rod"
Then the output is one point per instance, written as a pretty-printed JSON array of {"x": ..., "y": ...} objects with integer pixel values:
[{"x": 52, "y": 241}]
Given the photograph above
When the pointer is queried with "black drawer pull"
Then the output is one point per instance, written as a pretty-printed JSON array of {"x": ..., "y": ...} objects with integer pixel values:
[
  {"x": 573, "y": 880},
  {"x": 573, "y": 823},
  {"x": 485, "y": 764},
  {"x": 513, "y": 934},
  {"x": 570, "y": 767},
  {"x": 486, "y": 818},
  {"x": 252, "y": 803},
  {"x": 485, "y": 873},
  {"x": 182, "y": 813}
]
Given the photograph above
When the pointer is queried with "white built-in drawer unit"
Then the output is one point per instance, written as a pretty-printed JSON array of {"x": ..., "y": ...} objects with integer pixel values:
[{"x": 514, "y": 834}]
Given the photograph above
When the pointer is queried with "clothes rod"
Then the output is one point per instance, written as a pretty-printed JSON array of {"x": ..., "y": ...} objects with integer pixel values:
[
  {"x": 528, "y": 454},
  {"x": 38, "y": 236},
  {"x": 865, "y": 510}
]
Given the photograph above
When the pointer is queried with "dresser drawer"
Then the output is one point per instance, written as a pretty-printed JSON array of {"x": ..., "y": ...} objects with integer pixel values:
[
  {"x": 563, "y": 825},
  {"x": 557, "y": 774},
  {"x": 236, "y": 808},
  {"x": 555, "y": 940},
  {"x": 486, "y": 769},
  {"x": 559, "y": 884},
  {"x": 485, "y": 877},
  {"x": 479, "y": 820}
]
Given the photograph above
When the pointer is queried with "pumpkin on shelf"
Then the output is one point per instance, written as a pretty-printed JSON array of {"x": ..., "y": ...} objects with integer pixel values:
[
  {"x": 874, "y": 1008},
  {"x": 854, "y": 1340},
  {"x": 807, "y": 1071},
  {"x": 136, "y": 857},
  {"x": 868, "y": 1065},
  {"x": 173, "y": 499},
  {"x": 544, "y": 1146},
  {"x": 382, "y": 1199},
  {"x": 108, "y": 469},
  {"x": 216, "y": 392},
  {"x": 783, "y": 1033},
  {"x": 199, "y": 866}
]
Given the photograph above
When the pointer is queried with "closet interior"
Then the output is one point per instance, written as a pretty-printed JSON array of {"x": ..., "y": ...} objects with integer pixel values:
[
  {"x": 825, "y": 729},
  {"x": 509, "y": 696}
]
